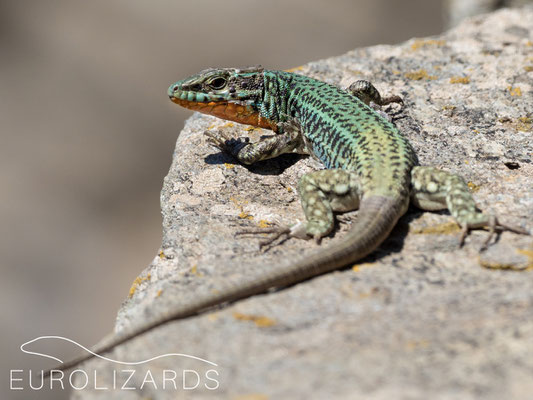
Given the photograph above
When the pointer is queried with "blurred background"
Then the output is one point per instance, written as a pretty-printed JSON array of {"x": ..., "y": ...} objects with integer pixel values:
[{"x": 87, "y": 135}]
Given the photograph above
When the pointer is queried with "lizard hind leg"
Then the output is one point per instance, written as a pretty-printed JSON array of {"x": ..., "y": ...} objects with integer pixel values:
[
  {"x": 433, "y": 189},
  {"x": 325, "y": 191},
  {"x": 321, "y": 193},
  {"x": 366, "y": 92}
]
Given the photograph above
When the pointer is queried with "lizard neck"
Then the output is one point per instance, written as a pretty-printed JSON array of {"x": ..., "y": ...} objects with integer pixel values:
[{"x": 275, "y": 105}]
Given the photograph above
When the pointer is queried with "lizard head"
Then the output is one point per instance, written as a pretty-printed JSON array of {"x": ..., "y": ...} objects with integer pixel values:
[{"x": 228, "y": 93}]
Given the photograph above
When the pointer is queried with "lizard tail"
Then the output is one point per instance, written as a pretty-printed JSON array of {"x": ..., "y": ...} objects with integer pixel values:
[{"x": 376, "y": 218}]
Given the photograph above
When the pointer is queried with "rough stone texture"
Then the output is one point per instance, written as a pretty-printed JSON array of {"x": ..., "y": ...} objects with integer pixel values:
[{"x": 420, "y": 316}]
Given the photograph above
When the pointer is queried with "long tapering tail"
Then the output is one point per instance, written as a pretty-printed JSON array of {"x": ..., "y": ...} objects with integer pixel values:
[{"x": 376, "y": 218}]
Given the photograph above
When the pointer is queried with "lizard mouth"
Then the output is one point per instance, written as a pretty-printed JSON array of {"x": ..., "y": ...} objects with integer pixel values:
[
  {"x": 224, "y": 109},
  {"x": 205, "y": 107}
]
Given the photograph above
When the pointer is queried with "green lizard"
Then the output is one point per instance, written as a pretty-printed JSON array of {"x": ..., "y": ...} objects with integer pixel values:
[{"x": 370, "y": 167}]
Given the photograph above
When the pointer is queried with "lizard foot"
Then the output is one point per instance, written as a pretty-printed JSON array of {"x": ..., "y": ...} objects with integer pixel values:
[
  {"x": 347, "y": 217},
  {"x": 493, "y": 225},
  {"x": 276, "y": 232},
  {"x": 225, "y": 142}
]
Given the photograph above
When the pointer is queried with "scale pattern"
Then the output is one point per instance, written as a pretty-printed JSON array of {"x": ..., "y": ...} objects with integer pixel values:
[{"x": 344, "y": 132}]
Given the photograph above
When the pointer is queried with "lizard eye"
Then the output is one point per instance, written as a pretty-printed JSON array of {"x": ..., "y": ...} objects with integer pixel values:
[{"x": 218, "y": 83}]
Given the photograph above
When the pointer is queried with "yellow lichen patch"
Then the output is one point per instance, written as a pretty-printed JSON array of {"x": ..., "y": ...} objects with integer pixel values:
[
  {"x": 446, "y": 228},
  {"x": 523, "y": 124},
  {"x": 449, "y": 107},
  {"x": 212, "y": 317},
  {"x": 529, "y": 43},
  {"x": 460, "y": 79},
  {"x": 467, "y": 162},
  {"x": 238, "y": 202},
  {"x": 263, "y": 223},
  {"x": 496, "y": 265},
  {"x": 506, "y": 261},
  {"x": 396, "y": 72},
  {"x": 419, "y": 75},
  {"x": 473, "y": 187},
  {"x": 357, "y": 267},
  {"x": 245, "y": 215},
  {"x": 528, "y": 68},
  {"x": 416, "y": 344},
  {"x": 137, "y": 282},
  {"x": 301, "y": 67},
  {"x": 259, "y": 320},
  {"x": 529, "y": 254},
  {"x": 194, "y": 270},
  {"x": 515, "y": 91},
  {"x": 212, "y": 126},
  {"x": 475, "y": 130},
  {"x": 159, "y": 292},
  {"x": 162, "y": 255},
  {"x": 252, "y": 128},
  {"x": 229, "y": 165},
  {"x": 228, "y": 125},
  {"x": 417, "y": 44}
]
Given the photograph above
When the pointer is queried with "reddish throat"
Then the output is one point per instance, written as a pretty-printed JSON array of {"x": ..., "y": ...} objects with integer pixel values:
[{"x": 230, "y": 111}]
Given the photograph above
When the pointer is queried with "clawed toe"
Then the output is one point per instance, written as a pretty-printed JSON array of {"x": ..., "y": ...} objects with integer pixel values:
[
  {"x": 464, "y": 233},
  {"x": 275, "y": 233},
  {"x": 493, "y": 226},
  {"x": 225, "y": 142},
  {"x": 217, "y": 139},
  {"x": 392, "y": 99}
]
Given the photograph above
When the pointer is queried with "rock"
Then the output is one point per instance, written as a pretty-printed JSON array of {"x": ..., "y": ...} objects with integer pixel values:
[
  {"x": 420, "y": 317},
  {"x": 458, "y": 10}
]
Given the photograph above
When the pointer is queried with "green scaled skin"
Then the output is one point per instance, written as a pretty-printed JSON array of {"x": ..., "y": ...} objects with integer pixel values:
[
  {"x": 368, "y": 161},
  {"x": 370, "y": 167}
]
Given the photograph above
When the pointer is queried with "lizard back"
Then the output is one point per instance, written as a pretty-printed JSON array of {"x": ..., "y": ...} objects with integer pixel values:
[{"x": 344, "y": 133}]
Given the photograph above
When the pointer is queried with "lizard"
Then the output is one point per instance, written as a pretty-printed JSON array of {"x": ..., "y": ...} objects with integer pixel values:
[{"x": 370, "y": 166}]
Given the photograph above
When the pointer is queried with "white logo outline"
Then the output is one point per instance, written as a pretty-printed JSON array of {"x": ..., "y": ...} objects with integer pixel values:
[{"x": 102, "y": 357}]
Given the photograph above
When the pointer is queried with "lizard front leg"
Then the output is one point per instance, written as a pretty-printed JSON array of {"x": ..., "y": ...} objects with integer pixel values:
[
  {"x": 433, "y": 189},
  {"x": 289, "y": 141},
  {"x": 368, "y": 94}
]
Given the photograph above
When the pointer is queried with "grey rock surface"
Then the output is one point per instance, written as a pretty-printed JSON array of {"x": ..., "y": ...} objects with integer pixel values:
[{"x": 420, "y": 317}]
